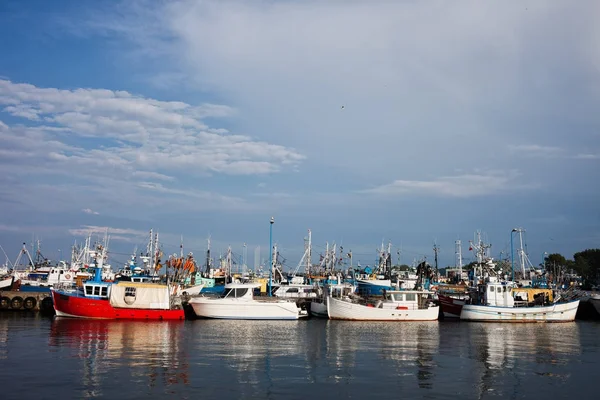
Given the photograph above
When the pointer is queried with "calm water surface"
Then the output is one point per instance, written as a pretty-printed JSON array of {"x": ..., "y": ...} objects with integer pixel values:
[{"x": 42, "y": 357}]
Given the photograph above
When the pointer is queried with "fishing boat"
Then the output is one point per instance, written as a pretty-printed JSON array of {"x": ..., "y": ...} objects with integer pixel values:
[
  {"x": 238, "y": 302},
  {"x": 118, "y": 300},
  {"x": 122, "y": 300},
  {"x": 452, "y": 298},
  {"x": 505, "y": 302},
  {"x": 6, "y": 282},
  {"x": 397, "y": 305},
  {"x": 318, "y": 306}
]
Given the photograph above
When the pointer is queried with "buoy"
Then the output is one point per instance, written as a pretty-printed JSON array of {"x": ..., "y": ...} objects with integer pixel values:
[{"x": 67, "y": 276}]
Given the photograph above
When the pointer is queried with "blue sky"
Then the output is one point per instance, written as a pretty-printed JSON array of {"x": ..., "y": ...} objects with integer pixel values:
[{"x": 409, "y": 122}]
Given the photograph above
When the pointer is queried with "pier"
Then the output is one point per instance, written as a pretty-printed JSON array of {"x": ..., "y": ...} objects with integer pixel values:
[{"x": 26, "y": 301}]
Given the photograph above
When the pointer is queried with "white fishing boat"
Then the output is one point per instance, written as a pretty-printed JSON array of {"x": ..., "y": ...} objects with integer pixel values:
[
  {"x": 318, "y": 306},
  {"x": 6, "y": 282},
  {"x": 397, "y": 305},
  {"x": 504, "y": 302},
  {"x": 237, "y": 302}
]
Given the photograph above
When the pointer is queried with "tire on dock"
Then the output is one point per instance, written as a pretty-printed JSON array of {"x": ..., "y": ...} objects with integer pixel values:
[
  {"x": 16, "y": 303},
  {"x": 29, "y": 303},
  {"x": 4, "y": 303},
  {"x": 46, "y": 305}
]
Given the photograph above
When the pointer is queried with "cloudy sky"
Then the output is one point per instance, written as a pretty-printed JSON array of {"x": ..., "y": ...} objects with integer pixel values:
[{"x": 365, "y": 121}]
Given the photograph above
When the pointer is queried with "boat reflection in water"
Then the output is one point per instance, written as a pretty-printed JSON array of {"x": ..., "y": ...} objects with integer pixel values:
[
  {"x": 355, "y": 348},
  {"x": 508, "y": 351},
  {"x": 258, "y": 356},
  {"x": 3, "y": 338},
  {"x": 142, "y": 353}
]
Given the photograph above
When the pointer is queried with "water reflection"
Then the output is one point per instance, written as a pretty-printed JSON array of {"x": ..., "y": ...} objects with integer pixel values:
[
  {"x": 3, "y": 338},
  {"x": 145, "y": 352},
  {"x": 288, "y": 359},
  {"x": 261, "y": 354},
  {"x": 353, "y": 347},
  {"x": 508, "y": 351}
]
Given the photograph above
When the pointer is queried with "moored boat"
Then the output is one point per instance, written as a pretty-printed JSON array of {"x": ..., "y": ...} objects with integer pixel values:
[
  {"x": 452, "y": 298},
  {"x": 122, "y": 300},
  {"x": 397, "y": 305},
  {"x": 318, "y": 306},
  {"x": 238, "y": 302},
  {"x": 503, "y": 302},
  {"x": 118, "y": 300}
]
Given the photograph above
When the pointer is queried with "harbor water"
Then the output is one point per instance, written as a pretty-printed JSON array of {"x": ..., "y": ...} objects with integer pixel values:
[{"x": 46, "y": 358}]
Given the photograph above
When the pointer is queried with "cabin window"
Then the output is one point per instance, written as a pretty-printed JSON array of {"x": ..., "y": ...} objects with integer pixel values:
[
  {"x": 130, "y": 291},
  {"x": 499, "y": 289},
  {"x": 89, "y": 290},
  {"x": 491, "y": 289},
  {"x": 504, "y": 289},
  {"x": 104, "y": 291},
  {"x": 292, "y": 290},
  {"x": 61, "y": 272},
  {"x": 410, "y": 296},
  {"x": 96, "y": 290}
]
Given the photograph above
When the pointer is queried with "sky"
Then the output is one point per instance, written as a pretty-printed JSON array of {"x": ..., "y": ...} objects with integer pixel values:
[{"x": 367, "y": 122}]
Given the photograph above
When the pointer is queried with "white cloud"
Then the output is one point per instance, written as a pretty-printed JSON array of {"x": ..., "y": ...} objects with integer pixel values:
[
  {"x": 467, "y": 185},
  {"x": 153, "y": 134},
  {"x": 535, "y": 150},
  {"x": 416, "y": 79},
  {"x": 90, "y": 211},
  {"x": 153, "y": 175},
  {"x": 100, "y": 146},
  {"x": 587, "y": 156},
  {"x": 129, "y": 234}
]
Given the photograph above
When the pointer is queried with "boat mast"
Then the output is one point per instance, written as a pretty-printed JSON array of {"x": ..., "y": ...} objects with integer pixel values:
[
  {"x": 388, "y": 261},
  {"x": 244, "y": 261},
  {"x": 308, "y": 254},
  {"x": 208, "y": 257},
  {"x": 435, "y": 251},
  {"x": 458, "y": 260},
  {"x": 521, "y": 252},
  {"x": 229, "y": 267}
]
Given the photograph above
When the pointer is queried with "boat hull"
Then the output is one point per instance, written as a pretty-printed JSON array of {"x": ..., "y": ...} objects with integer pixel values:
[
  {"x": 318, "y": 309},
  {"x": 562, "y": 312},
  {"x": 451, "y": 306},
  {"x": 234, "y": 309},
  {"x": 340, "y": 309},
  {"x": 6, "y": 283},
  {"x": 66, "y": 305},
  {"x": 595, "y": 301}
]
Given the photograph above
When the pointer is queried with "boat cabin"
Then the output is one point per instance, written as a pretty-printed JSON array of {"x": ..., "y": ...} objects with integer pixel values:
[
  {"x": 505, "y": 294},
  {"x": 404, "y": 299},
  {"x": 497, "y": 294},
  {"x": 238, "y": 291},
  {"x": 94, "y": 289}
]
